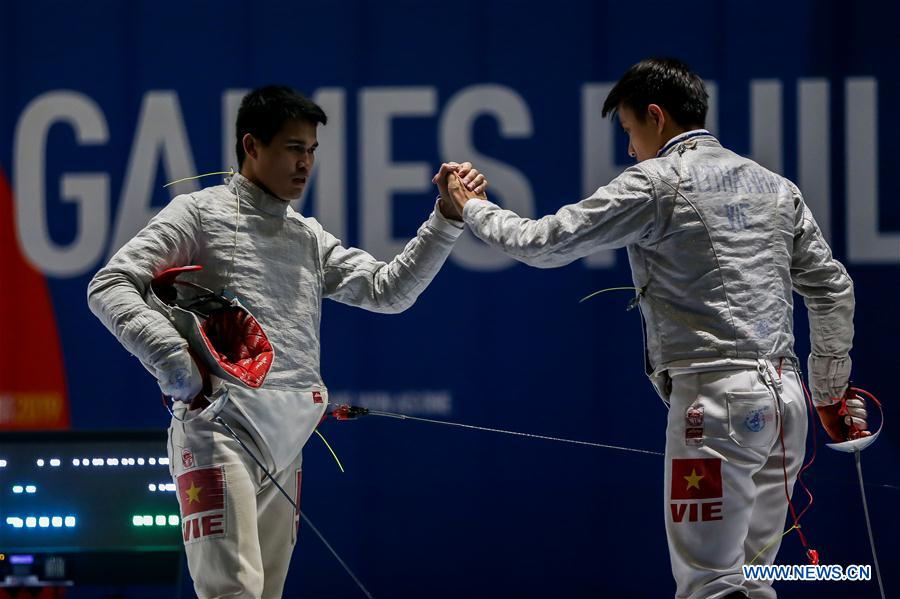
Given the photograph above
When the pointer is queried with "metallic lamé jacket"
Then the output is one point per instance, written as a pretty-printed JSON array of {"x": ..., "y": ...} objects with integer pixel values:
[
  {"x": 716, "y": 245},
  {"x": 284, "y": 265}
]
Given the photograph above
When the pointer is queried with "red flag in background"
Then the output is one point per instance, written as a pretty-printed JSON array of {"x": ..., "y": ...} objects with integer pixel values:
[{"x": 32, "y": 375}]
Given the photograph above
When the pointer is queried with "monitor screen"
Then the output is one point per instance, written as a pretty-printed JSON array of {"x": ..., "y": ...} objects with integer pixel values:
[{"x": 107, "y": 494}]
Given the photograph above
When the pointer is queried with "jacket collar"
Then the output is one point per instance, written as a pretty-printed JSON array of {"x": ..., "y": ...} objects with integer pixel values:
[
  {"x": 247, "y": 190},
  {"x": 696, "y": 134}
]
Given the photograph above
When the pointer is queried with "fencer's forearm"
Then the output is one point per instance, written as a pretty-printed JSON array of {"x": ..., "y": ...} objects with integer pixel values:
[
  {"x": 146, "y": 334},
  {"x": 400, "y": 282},
  {"x": 831, "y": 338},
  {"x": 831, "y": 322},
  {"x": 526, "y": 240},
  {"x": 356, "y": 278},
  {"x": 618, "y": 214}
]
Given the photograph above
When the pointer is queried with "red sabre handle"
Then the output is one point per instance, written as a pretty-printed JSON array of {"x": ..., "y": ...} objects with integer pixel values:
[
  {"x": 855, "y": 432},
  {"x": 848, "y": 438}
]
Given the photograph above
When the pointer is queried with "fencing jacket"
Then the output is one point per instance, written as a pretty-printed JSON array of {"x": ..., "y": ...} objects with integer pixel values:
[
  {"x": 716, "y": 245},
  {"x": 281, "y": 265}
]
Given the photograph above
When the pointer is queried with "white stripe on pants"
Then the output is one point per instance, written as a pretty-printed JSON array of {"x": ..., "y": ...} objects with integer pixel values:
[
  {"x": 712, "y": 529},
  {"x": 250, "y": 558}
]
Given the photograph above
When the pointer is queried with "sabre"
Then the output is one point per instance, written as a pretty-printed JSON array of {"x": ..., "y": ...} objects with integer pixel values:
[{"x": 855, "y": 446}]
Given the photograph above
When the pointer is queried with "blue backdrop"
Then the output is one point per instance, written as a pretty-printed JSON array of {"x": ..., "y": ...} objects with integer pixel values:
[{"x": 103, "y": 102}]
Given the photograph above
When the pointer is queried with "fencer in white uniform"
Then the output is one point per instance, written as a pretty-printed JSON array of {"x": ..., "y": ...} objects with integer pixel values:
[
  {"x": 717, "y": 244},
  {"x": 238, "y": 531}
]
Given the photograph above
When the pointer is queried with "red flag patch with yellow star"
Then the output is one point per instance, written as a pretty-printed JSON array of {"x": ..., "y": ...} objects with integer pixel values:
[
  {"x": 697, "y": 478},
  {"x": 201, "y": 490}
]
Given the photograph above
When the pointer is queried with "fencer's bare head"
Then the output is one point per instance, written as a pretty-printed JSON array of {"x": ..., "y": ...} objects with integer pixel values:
[
  {"x": 264, "y": 111},
  {"x": 666, "y": 82},
  {"x": 276, "y": 139},
  {"x": 655, "y": 100}
]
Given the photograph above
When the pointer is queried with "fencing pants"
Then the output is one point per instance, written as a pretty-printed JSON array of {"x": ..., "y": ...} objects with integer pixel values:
[
  {"x": 239, "y": 531},
  {"x": 725, "y": 472}
]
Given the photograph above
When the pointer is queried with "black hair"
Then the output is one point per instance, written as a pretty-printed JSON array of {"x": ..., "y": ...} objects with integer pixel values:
[
  {"x": 265, "y": 110},
  {"x": 667, "y": 82}
]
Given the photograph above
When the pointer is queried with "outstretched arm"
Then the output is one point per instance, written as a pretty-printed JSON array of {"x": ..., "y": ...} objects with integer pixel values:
[
  {"x": 616, "y": 215},
  {"x": 355, "y": 277}
]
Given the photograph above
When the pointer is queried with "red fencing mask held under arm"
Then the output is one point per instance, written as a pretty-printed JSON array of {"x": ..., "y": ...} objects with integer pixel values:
[{"x": 223, "y": 336}]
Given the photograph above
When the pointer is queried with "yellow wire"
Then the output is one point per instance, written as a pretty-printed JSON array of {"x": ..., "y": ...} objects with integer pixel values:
[
  {"x": 775, "y": 540},
  {"x": 587, "y": 297},
  {"x": 231, "y": 172},
  {"x": 331, "y": 450}
]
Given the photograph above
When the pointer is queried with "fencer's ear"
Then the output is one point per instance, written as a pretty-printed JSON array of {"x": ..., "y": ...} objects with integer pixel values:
[
  {"x": 249, "y": 145},
  {"x": 657, "y": 116}
]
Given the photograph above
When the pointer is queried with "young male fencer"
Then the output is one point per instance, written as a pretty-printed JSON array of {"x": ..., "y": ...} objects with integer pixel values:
[
  {"x": 239, "y": 532},
  {"x": 717, "y": 244}
]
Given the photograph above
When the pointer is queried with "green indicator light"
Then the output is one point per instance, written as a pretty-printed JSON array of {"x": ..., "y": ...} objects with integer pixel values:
[{"x": 158, "y": 520}]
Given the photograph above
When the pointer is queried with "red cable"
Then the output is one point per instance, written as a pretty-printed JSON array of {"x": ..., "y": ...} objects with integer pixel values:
[
  {"x": 786, "y": 492},
  {"x": 812, "y": 554},
  {"x": 812, "y": 426}
]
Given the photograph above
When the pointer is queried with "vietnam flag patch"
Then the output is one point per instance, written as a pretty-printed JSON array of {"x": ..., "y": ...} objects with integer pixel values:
[
  {"x": 696, "y": 478},
  {"x": 201, "y": 490}
]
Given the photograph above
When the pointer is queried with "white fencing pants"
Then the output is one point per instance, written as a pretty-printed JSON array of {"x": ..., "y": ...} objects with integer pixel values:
[
  {"x": 239, "y": 531},
  {"x": 725, "y": 499}
]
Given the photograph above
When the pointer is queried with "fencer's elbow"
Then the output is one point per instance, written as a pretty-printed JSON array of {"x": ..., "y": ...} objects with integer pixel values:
[
  {"x": 95, "y": 293},
  {"x": 103, "y": 289},
  {"x": 395, "y": 301},
  {"x": 397, "y": 305},
  {"x": 535, "y": 254},
  {"x": 538, "y": 263},
  {"x": 539, "y": 260},
  {"x": 845, "y": 294}
]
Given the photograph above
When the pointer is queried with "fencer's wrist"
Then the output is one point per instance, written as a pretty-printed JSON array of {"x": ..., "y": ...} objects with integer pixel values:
[
  {"x": 441, "y": 223},
  {"x": 471, "y": 206},
  {"x": 446, "y": 210},
  {"x": 828, "y": 378},
  {"x": 179, "y": 377},
  {"x": 178, "y": 358}
]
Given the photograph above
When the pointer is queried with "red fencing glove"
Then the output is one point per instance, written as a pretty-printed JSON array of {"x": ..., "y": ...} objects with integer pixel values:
[{"x": 845, "y": 418}]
